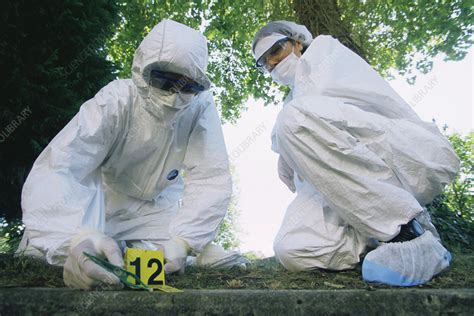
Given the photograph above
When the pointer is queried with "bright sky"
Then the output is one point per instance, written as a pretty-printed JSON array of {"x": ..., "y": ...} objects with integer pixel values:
[{"x": 445, "y": 94}]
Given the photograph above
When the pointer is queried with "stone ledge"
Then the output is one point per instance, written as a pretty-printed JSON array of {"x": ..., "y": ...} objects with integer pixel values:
[{"x": 45, "y": 301}]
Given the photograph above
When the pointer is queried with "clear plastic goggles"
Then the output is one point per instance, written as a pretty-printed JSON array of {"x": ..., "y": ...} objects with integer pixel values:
[{"x": 262, "y": 62}]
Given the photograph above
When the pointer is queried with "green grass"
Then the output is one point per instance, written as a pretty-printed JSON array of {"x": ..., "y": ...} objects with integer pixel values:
[
  {"x": 28, "y": 272},
  {"x": 262, "y": 274}
]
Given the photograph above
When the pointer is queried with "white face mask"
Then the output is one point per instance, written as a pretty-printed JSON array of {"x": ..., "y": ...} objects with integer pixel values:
[
  {"x": 166, "y": 98},
  {"x": 284, "y": 72}
]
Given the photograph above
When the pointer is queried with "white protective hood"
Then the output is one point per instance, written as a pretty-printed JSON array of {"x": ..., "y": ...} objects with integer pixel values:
[{"x": 173, "y": 47}]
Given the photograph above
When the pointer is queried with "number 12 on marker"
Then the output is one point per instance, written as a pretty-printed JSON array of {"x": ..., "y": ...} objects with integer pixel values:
[{"x": 147, "y": 265}]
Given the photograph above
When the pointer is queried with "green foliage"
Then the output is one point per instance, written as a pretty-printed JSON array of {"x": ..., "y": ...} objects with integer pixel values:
[
  {"x": 10, "y": 235},
  {"x": 402, "y": 35},
  {"x": 52, "y": 58},
  {"x": 453, "y": 212},
  {"x": 405, "y": 35},
  {"x": 229, "y": 26},
  {"x": 4, "y": 247},
  {"x": 460, "y": 193},
  {"x": 227, "y": 233},
  {"x": 28, "y": 272},
  {"x": 455, "y": 231}
]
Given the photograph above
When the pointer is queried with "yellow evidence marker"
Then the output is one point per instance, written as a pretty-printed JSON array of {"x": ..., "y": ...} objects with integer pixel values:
[{"x": 148, "y": 265}]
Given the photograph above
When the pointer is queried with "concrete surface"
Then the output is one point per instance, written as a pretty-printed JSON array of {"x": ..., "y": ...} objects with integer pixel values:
[{"x": 44, "y": 301}]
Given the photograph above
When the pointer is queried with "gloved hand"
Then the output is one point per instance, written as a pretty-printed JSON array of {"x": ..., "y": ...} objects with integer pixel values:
[
  {"x": 176, "y": 250},
  {"x": 81, "y": 272},
  {"x": 286, "y": 174}
]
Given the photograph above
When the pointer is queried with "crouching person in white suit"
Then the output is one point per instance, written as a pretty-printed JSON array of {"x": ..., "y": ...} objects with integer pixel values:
[
  {"x": 113, "y": 176},
  {"x": 362, "y": 162}
]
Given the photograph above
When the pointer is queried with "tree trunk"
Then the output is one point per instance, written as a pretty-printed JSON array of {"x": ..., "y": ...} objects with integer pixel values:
[{"x": 324, "y": 17}]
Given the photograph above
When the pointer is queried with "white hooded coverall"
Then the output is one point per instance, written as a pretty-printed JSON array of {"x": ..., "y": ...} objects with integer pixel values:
[
  {"x": 116, "y": 166},
  {"x": 364, "y": 162}
]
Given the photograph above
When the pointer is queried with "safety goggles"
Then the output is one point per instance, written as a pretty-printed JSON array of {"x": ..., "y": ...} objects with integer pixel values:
[
  {"x": 175, "y": 83},
  {"x": 273, "y": 51}
]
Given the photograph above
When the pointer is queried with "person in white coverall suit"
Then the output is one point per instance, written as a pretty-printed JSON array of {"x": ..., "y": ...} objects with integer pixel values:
[
  {"x": 361, "y": 161},
  {"x": 113, "y": 176}
]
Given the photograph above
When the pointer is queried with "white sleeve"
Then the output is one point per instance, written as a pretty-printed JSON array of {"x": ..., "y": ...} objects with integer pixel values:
[
  {"x": 208, "y": 184},
  {"x": 63, "y": 191}
]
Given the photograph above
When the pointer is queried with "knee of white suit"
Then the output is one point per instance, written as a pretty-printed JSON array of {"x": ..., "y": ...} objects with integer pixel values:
[
  {"x": 323, "y": 257},
  {"x": 287, "y": 257}
]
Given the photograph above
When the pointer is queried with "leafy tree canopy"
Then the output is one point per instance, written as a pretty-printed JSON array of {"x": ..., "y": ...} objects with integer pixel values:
[
  {"x": 52, "y": 59},
  {"x": 403, "y": 35}
]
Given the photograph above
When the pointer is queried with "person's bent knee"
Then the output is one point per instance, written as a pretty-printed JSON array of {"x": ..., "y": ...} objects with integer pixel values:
[
  {"x": 296, "y": 260},
  {"x": 286, "y": 256}
]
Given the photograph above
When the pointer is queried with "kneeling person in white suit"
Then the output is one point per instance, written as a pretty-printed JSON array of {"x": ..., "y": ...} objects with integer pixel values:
[
  {"x": 112, "y": 176},
  {"x": 362, "y": 162}
]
